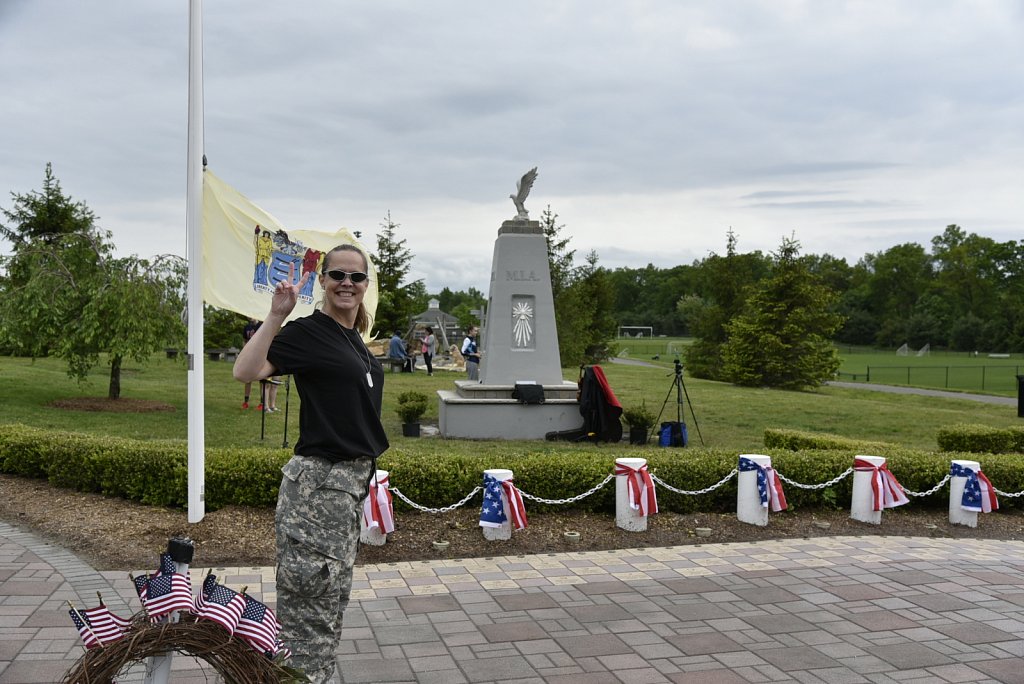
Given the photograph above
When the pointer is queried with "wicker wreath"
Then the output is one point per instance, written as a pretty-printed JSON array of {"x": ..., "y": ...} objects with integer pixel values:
[{"x": 234, "y": 660}]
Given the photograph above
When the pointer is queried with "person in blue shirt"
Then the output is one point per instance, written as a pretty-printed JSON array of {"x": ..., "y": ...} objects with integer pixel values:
[
  {"x": 471, "y": 353},
  {"x": 396, "y": 350}
]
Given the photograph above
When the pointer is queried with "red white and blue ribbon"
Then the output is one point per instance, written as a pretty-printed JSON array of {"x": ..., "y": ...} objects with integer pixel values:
[
  {"x": 979, "y": 494},
  {"x": 378, "y": 510},
  {"x": 769, "y": 486},
  {"x": 496, "y": 493},
  {"x": 642, "y": 497},
  {"x": 886, "y": 491}
]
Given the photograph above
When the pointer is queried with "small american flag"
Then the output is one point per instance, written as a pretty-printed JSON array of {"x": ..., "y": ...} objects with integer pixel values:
[
  {"x": 280, "y": 650},
  {"x": 98, "y": 625},
  {"x": 167, "y": 590},
  {"x": 979, "y": 494},
  {"x": 220, "y": 604},
  {"x": 140, "y": 583},
  {"x": 496, "y": 493},
  {"x": 258, "y": 626}
]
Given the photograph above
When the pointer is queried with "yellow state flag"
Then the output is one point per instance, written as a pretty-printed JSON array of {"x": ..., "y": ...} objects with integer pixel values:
[{"x": 246, "y": 252}]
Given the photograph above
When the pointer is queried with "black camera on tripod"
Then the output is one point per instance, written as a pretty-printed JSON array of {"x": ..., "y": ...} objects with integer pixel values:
[{"x": 674, "y": 433}]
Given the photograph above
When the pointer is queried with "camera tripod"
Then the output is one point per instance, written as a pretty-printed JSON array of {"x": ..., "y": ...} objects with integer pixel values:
[{"x": 680, "y": 388}]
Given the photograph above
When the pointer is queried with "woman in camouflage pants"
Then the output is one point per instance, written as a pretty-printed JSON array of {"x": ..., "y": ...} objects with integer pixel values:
[{"x": 340, "y": 385}]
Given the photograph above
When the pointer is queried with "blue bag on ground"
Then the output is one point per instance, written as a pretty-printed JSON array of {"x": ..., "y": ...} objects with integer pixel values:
[{"x": 672, "y": 434}]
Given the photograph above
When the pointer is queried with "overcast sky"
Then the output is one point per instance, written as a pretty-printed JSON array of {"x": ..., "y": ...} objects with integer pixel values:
[{"x": 655, "y": 126}]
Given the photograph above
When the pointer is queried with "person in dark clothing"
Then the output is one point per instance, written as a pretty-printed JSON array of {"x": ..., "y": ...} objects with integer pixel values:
[
  {"x": 247, "y": 332},
  {"x": 340, "y": 385}
]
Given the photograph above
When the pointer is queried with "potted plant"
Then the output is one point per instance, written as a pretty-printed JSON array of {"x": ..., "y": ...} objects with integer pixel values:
[
  {"x": 640, "y": 421},
  {"x": 411, "y": 407}
]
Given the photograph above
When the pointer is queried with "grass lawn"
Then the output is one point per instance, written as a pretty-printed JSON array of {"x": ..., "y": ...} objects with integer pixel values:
[
  {"x": 727, "y": 417},
  {"x": 943, "y": 370}
]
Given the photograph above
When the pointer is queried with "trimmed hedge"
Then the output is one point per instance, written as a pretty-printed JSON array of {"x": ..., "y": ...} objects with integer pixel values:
[
  {"x": 796, "y": 440},
  {"x": 425, "y": 471},
  {"x": 981, "y": 439}
]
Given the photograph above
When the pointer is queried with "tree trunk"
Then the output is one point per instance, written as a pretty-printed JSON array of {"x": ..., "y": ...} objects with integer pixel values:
[{"x": 115, "y": 378}]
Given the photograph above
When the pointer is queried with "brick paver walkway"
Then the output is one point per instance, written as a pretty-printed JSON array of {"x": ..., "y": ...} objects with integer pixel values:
[{"x": 835, "y": 610}]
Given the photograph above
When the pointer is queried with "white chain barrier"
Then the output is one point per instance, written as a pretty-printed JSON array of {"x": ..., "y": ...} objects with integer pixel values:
[
  {"x": 447, "y": 509},
  {"x": 834, "y": 480},
  {"x": 930, "y": 491},
  {"x": 696, "y": 492},
  {"x": 572, "y": 499}
]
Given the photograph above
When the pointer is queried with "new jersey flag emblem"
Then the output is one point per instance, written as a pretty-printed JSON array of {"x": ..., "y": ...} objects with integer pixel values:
[{"x": 247, "y": 252}]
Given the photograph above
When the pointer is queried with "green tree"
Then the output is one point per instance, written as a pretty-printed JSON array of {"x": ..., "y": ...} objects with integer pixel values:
[
  {"x": 222, "y": 329},
  {"x": 783, "y": 337},
  {"x": 970, "y": 271},
  {"x": 398, "y": 300},
  {"x": 462, "y": 304},
  {"x": 560, "y": 257},
  {"x": 45, "y": 215},
  {"x": 583, "y": 299},
  {"x": 75, "y": 300},
  {"x": 900, "y": 276},
  {"x": 722, "y": 286},
  {"x": 593, "y": 333}
]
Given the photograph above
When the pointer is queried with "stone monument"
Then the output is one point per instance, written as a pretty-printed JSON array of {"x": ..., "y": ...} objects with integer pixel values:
[{"x": 520, "y": 345}]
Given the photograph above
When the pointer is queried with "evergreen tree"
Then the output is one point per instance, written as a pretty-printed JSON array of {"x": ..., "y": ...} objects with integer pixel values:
[
  {"x": 45, "y": 215},
  {"x": 783, "y": 337},
  {"x": 593, "y": 286},
  {"x": 583, "y": 298},
  {"x": 397, "y": 300},
  {"x": 560, "y": 257},
  {"x": 723, "y": 283}
]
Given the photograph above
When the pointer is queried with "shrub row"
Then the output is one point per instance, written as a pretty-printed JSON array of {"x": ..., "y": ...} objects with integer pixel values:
[
  {"x": 981, "y": 439},
  {"x": 796, "y": 440},
  {"x": 428, "y": 473}
]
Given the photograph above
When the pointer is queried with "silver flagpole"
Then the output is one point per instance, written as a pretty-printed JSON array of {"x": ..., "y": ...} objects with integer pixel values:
[{"x": 193, "y": 226}]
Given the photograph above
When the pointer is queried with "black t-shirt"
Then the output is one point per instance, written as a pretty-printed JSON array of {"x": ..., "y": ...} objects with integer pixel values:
[{"x": 340, "y": 414}]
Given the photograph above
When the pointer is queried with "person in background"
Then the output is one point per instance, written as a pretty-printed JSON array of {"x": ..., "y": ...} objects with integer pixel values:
[
  {"x": 247, "y": 332},
  {"x": 268, "y": 388},
  {"x": 340, "y": 385},
  {"x": 471, "y": 353},
  {"x": 397, "y": 351},
  {"x": 428, "y": 349}
]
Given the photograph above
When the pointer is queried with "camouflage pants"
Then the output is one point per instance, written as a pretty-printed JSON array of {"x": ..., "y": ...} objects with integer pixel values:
[{"x": 317, "y": 523}]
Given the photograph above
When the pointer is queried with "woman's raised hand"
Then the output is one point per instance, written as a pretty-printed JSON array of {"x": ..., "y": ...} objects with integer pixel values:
[{"x": 286, "y": 294}]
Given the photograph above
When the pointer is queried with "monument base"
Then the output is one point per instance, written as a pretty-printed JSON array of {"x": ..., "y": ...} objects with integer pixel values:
[{"x": 477, "y": 411}]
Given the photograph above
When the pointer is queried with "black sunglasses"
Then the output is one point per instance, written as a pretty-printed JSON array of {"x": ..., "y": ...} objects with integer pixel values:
[{"x": 339, "y": 275}]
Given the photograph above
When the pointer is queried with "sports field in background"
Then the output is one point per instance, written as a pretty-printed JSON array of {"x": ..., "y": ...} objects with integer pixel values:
[{"x": 959, "y": 371}]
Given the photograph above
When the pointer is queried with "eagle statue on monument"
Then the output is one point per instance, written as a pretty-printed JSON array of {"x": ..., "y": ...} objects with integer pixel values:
[{"x": 522, "y": 191}]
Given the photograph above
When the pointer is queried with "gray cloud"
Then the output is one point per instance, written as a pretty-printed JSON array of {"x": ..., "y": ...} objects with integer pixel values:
[{"x": 647, "y": 119}]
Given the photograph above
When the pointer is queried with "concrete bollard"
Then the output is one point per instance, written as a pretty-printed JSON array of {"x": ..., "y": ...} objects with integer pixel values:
[
  {"x": 374, "y": 536},
  {"x": 862, "y": 504},
  {"x": 504, "y": 531},
  {"x": 748, "y": 500},
  {"x": 957, "y": 514},
  {"x": 625, "y": 517}
]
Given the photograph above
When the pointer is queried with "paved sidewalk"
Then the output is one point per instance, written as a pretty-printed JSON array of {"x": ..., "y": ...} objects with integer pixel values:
[{"x": 835, "y": 610}]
